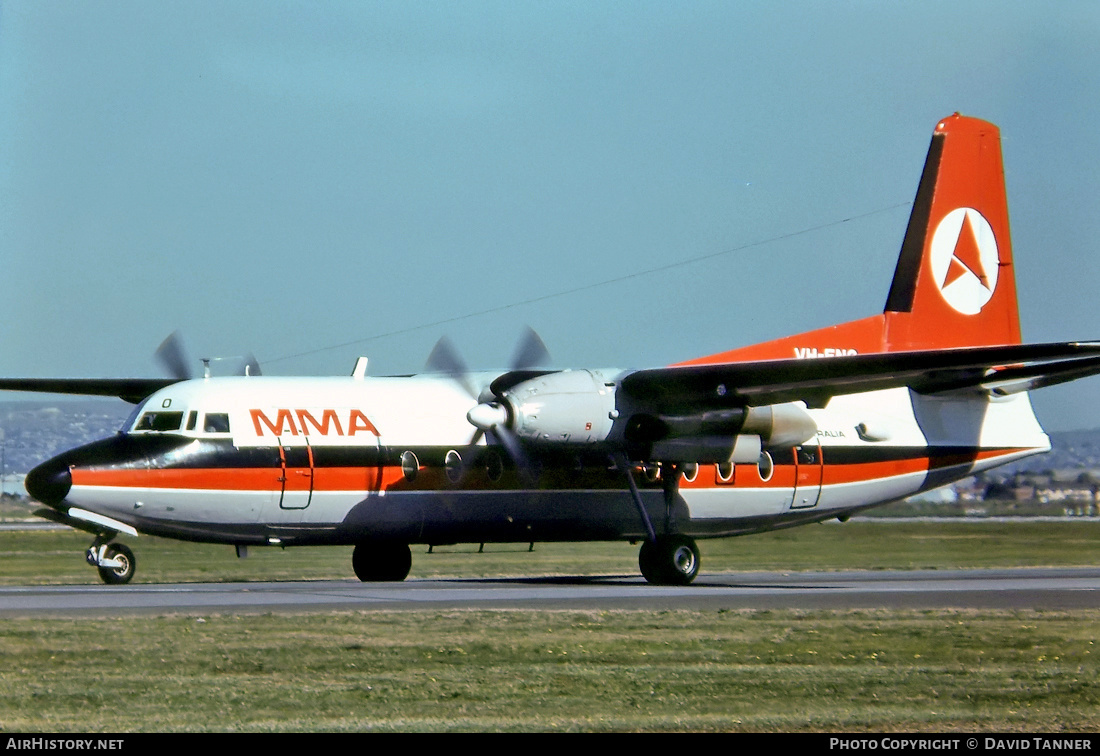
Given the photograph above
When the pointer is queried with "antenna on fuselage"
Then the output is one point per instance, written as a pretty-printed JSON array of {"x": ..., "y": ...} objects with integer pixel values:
[{"x": 360, "y": 368}]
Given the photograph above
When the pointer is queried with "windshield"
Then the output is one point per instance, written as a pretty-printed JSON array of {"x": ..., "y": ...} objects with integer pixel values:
[
  {"x": 160, "y": 421},
  {"x": 128, "y": 425}
]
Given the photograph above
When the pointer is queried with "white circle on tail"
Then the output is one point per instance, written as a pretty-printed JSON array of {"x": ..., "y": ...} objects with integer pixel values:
[{"x": 964, "y": 260}]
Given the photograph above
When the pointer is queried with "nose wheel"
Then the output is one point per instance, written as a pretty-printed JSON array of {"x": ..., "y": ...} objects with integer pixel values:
[{"x": 115, "y": 561}]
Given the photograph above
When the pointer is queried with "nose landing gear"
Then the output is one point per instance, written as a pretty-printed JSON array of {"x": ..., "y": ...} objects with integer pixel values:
[{"x": 115, "y": 561}]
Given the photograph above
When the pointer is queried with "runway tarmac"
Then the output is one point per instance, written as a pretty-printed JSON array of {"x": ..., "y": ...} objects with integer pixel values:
[{"x": 1033, "y": 588}]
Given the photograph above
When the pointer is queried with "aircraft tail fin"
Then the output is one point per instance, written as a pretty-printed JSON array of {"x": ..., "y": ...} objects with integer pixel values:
[{"x": 954, "y": 285}]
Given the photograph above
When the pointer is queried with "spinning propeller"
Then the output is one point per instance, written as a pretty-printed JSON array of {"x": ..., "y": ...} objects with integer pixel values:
[
  {"x": 491, "y": 415},
  {"x": 564, "y": 409},
  {"x": 173, "y": 357},
  {"x": 176, "y": 361}
]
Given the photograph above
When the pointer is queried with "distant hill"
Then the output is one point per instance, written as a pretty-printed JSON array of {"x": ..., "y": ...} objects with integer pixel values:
[
  {"x": 1070, "y": 450},
  {"x": 33, "y": 431}
]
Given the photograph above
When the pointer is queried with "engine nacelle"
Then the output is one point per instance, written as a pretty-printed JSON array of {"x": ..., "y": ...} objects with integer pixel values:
[
  {"x": 571, "y": 406},
  {"x": 577, "y": 407},
  {"x": 780, "y": 425},
  {"x": 717, "y": 437}
]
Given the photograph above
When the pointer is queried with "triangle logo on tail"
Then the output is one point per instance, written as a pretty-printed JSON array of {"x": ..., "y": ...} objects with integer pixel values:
[{"x": 964, "y": 260}]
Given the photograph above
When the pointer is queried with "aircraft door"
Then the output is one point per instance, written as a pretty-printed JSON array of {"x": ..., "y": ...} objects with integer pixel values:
[
  {"x": 776, "y": 470},
  {"x": 808, "y": 471},
  {"x": 297, "y": 476}
]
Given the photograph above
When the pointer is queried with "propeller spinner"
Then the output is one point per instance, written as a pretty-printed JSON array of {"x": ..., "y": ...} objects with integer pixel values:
[{"x": 491, "y": 414}]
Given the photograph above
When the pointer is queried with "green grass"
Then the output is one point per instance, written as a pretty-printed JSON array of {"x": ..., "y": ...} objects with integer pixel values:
[
  {"x": 37, "y": 557},
  {"x": 423, "y": 670},
  {"x": 555, "y": 671}
]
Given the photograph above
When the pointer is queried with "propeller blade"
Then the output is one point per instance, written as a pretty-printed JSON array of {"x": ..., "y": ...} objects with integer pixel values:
[
  {"x": 490, "y": 417},
  {"x": 531, "y": 352},
  {"x": 511, "y": 443},
  {"x": 173, "y": 357},
  {"x": 445, "y": 359}
]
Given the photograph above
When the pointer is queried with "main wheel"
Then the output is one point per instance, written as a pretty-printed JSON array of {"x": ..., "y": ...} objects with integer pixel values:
[
  {"x": 381, "y": 562},
  {"x": 670, "y": 560},
  {"x": 127, "y": 564}
]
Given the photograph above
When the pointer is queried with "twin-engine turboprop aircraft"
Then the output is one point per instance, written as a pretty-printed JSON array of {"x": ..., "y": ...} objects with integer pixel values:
[{"x": 803, "y": 429}]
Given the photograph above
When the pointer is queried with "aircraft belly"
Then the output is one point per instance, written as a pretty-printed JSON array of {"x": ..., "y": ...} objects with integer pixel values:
[
  {"x": 736, "y": 503},
  {"x": 325, "y": 508},
  {"x": 168, "y": 504},
  {"x": 729, "y": 511},
  {"x": 510, "y": 516},
  {"x": 865, "y": 493}
]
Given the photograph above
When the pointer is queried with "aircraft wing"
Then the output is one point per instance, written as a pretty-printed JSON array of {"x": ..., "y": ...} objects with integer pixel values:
[
  {"x": 999, "y": 369},
  {"x": 132, "y": 390}
]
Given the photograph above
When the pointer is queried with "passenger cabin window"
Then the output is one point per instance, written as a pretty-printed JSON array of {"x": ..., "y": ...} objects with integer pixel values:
[
  {"x": 216, "y": 422},
  {"x": 160, "y": 421}
]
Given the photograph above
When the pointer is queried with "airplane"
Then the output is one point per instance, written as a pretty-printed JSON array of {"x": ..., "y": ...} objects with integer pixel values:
[{"x": 802, "y": 429}]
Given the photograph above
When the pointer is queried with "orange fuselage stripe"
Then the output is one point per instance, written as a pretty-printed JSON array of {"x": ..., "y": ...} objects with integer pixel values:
[{"x": 367, "y": 478}]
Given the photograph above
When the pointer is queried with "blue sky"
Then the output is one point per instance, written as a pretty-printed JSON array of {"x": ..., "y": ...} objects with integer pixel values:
[{"x": 640, "y": 182}]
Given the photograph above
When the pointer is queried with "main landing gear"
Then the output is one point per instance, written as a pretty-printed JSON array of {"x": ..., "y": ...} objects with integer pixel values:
[
  {"x": 115, "y": 561},
  {"x": 381, "y": 562},
  {"x": 669, "y": 560},
  {"x": 666, "y": 559}
]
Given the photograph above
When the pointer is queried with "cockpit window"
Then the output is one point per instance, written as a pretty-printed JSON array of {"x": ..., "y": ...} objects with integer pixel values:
[
  {"x": 216, "y": 422},
  {"x": 160, "y": 421},
  {"x": 129, "y": 424}
]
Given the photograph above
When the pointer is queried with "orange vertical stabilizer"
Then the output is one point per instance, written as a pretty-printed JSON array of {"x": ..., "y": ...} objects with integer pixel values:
[{"x": 954, "y": 285}]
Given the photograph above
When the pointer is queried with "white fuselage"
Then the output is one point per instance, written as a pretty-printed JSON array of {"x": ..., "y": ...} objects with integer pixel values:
[{"x": 342, "y": 460}]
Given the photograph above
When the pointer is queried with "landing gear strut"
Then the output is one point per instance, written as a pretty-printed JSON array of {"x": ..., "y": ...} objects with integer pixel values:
[
  {"x": 669, "y": 560},
  {"x": 666, "y": 559},
  {"x": 381, "y": 562},
  {"x": 115, "y": 561}
]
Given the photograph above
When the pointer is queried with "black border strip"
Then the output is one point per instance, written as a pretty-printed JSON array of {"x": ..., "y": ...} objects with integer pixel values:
[{"x": 904, "y": 286}]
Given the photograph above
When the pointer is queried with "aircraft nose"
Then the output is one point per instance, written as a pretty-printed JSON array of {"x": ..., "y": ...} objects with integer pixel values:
[{"x": 49, "y": 483}]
